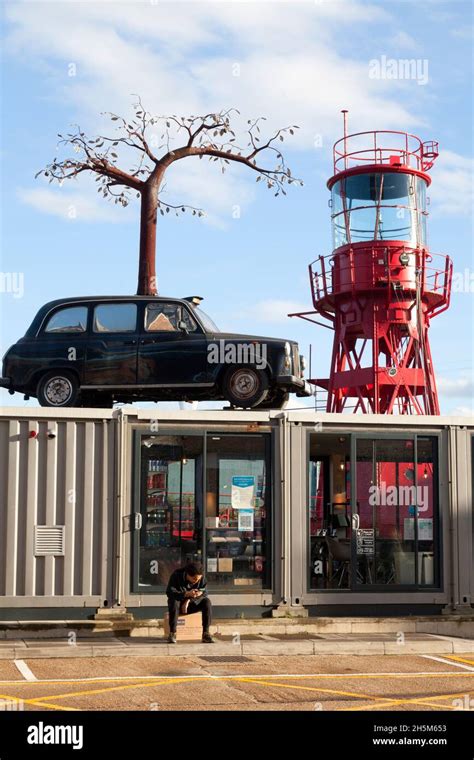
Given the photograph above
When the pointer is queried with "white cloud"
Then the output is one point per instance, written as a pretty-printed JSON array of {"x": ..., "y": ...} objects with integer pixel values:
[
  {"x": 190, "y": 181},
  {"x": 461, "y": 411},
  {"x": 463, "y": 32},
  {"x": 452, "y": 188},
  {"x": 403, "y": 40},
  {"x": 458, "y": 387},
  {"x": 185, "y": 62},
  {"x": 183, "y": 58},
  {"x": 80, "y": 206},
  {"x": 202, "y": 185}
]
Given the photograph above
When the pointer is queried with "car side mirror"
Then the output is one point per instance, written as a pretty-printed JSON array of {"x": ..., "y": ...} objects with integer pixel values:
[{"x": 183, "y": 326}]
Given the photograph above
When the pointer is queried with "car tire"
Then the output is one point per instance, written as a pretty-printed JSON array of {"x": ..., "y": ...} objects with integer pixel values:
[
  {"x": 245, "y": 387},
  {"x": 58, "y": 389}
]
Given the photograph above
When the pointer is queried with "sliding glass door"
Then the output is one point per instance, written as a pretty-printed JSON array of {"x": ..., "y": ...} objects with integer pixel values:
[
  {"x": 168, "y": 526},
  {"x": 395, "y": 511},
  {"x": 205, "y": 498}
]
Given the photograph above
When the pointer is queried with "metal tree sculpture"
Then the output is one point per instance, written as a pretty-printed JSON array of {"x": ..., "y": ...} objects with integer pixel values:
[{"x": 210, "y": 135}]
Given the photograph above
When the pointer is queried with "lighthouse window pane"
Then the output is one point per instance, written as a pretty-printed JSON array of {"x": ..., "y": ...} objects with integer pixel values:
[{"x": 385, "y": 206}]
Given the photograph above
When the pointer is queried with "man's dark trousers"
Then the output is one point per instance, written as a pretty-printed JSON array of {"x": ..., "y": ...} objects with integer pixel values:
[{"x": 195, "y": 605}]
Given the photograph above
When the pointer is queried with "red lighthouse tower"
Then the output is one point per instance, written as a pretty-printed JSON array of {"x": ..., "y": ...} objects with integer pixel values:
[{"x": 380, "y": 287}]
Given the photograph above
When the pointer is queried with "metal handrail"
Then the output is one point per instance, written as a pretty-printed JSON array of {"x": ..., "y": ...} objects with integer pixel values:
[
  {"x": 436, "y": 279},
  {"x": 378, "y": 152}
]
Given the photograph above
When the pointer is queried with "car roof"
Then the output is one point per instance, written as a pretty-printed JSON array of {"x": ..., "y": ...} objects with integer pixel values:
[
  {"x": 78, "y": 299},
  {"x": 47, "y": 307}
]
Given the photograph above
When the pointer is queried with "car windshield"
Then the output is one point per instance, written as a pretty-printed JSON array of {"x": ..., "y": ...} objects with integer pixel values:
[{"x": 209, "y": 325}]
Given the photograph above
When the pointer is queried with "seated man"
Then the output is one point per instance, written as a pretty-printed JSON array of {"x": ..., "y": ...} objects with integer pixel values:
[{"x": 186, "y": 592}]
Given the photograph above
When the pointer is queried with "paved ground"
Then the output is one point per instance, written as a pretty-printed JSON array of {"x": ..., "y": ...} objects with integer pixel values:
[
  {"x": 435, "y": 682},
  {"x": 64, "y": 645}
]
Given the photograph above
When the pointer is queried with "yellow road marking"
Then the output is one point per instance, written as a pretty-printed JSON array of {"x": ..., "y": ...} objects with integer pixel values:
[
  {"x": 387, "y": 703},
  {"x": 257, "y": 679},
  {"x": 458, "y": 659},
  {"x": 51, "y": 706},
  {"x": 11, "y": 698},
  {"x": 415, "y": 700},
  {"x": 309, "y": 688},
  {"x": 75, "y": 682},
  {"x": 89, "y": 692}
]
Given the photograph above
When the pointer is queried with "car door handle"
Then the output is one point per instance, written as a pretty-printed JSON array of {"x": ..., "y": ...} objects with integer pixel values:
[
  {"x": 138, "y": 520},
  {"x": 130, "y": 343}
]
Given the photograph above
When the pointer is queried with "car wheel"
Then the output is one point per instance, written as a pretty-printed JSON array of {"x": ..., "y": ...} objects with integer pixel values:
[
  {"x": 58, "y": 389},
  {"x": 278, "y": 400},
  {"x": 245, "y": 386}
]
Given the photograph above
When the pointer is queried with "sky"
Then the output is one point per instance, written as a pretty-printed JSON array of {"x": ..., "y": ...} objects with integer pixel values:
[{"x": 293, "y": 62}]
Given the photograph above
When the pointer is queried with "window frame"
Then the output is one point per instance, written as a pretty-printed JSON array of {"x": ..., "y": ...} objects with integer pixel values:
[
  {"x": 136, "y": 490},
  {"x": 438, "y": 517},
  {"x": 99, "y": 304},
  {"x": 182, "y": 307},
  {"x": 51, "y": 314}
]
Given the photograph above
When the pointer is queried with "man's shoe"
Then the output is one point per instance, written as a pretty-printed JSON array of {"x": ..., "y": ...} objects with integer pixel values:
[
  {"x": 207, "y": 638},
  {"x": 172, "y": 638}
]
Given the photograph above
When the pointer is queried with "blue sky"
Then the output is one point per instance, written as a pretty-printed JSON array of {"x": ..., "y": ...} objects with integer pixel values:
[{"x": 295, "y": 63}]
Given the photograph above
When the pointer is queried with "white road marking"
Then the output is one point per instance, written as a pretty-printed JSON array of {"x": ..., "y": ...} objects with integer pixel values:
[
  {"x": 156, "y": 677},
  {"x": 448, "y": 662},
  {"x": 25, "y": 671}
]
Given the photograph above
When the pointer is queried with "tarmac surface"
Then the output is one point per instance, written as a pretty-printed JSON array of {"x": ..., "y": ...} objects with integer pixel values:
[{"x": 209, "y": 680}]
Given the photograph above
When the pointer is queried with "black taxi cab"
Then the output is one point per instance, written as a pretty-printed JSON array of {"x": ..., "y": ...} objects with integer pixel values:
[{"x": 92, "y": 351}]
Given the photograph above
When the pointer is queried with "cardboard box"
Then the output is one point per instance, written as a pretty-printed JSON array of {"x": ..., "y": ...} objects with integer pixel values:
[
  {"x": 225, "y": 564},
  {"x": 189, "y": 627}
]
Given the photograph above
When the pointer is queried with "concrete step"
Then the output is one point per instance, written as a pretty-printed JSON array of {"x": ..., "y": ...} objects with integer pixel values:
[
  {"x": 249, "y": 646},
  {"x": 124, "y": 625}
]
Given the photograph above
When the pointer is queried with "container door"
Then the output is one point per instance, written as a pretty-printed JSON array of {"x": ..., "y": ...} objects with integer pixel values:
[{"x": 394, "y": 511}]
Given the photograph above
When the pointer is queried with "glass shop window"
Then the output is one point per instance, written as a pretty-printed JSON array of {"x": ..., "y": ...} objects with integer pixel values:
[
  {"x": 238, "y": 512},
  {"x": 171, "y": 507}
]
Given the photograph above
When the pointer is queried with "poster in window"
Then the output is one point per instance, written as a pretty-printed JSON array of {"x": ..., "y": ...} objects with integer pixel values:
[
  {"x": 425, "y": 529},
  {"x": 246, "y": 519},
  {"x": 243, "y": 489}
]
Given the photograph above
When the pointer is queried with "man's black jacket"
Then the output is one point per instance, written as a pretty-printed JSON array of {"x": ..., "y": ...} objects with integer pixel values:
[{"x": 178, "y": 584}]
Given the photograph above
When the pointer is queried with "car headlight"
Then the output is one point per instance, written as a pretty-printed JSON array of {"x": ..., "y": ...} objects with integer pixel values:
[{"x": 287, "y": 359}]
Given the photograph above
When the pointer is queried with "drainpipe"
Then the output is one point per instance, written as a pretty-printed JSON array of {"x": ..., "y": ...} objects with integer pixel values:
[
  {"x": 119, "y": 507},
  {"x": 452, "y": 502},
  {"x": 285, "y": 599}
]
